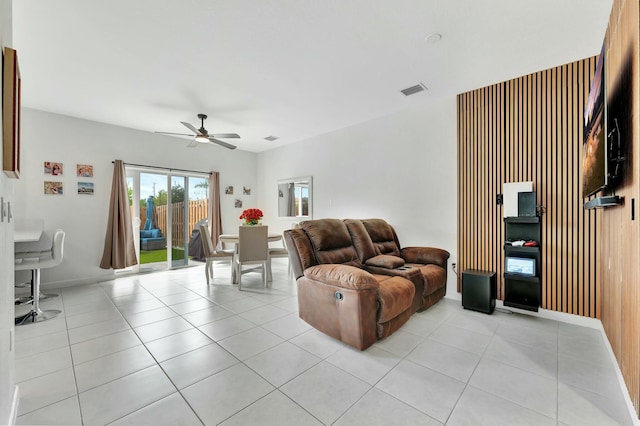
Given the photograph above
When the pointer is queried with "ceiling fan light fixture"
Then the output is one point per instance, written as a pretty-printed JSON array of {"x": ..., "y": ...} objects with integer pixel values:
[{"x": 202, "y": 138}]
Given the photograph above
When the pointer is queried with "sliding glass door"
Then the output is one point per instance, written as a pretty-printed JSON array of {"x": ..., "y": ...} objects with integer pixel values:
[
  {"x": 165, "y": 215},
  {"x": 189, "y": 208}
]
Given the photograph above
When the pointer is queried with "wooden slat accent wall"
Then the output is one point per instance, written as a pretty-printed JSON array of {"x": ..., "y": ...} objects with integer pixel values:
[
  {"x": 530, "y": 129},
  {"x": 619, "y": 262}
]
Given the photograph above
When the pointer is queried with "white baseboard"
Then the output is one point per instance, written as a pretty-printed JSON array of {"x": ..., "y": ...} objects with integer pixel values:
[
  {"x": 556, "y": 316},
  {"x": 76, "y": 282},
  {"x": 15, "y": 401}
]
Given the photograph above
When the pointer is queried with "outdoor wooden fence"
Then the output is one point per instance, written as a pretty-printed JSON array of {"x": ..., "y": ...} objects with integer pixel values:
[{"x": 196, "y": 211}]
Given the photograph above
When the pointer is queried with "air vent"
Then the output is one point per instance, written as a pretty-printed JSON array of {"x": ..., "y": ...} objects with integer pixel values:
[
  {"x": 413, "y": 89},
  {"x": 271, "y": 138}
]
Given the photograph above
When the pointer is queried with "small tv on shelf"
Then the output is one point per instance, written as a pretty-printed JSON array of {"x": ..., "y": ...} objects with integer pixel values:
[{"x": 521, "y": 266}]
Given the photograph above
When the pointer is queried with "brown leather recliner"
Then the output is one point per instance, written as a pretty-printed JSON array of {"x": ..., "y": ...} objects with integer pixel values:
[
  {"x": 430, "y": 261},
  {"x": 338, "y": 295}
]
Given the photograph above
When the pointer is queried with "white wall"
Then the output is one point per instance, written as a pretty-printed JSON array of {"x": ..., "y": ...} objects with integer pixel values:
[
  {"x": 401, "y": 168},
  {"x": 71, "y": 141},
  {"x": 8, "y": 396}
]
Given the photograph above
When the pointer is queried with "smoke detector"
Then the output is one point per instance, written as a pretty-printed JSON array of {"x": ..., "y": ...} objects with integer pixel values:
[{"x": 433, "y": 38}]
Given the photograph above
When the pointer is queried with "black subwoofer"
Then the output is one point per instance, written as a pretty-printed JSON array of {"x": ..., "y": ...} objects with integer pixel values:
[{"x": 479, "y": 290}]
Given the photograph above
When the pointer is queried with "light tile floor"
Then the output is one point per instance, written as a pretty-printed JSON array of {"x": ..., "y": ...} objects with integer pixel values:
[{"x": 166, "y": 349}]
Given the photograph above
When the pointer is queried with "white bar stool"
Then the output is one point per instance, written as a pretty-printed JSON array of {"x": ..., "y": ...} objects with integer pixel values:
[
  {"x": 40, "y": 260},
  {"x": 32, "y": 249}
]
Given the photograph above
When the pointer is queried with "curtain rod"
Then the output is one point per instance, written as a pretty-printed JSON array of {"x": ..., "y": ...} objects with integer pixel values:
[{"x": 163, "y": 168}]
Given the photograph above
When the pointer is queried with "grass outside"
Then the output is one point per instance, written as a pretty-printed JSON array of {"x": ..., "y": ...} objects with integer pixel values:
[{"x": 153, "y": 256}]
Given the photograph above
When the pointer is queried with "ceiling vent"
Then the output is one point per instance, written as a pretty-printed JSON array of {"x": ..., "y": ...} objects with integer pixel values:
[
  {"x": 414, "y": 89},
  {"x": 271, "y": 138}
]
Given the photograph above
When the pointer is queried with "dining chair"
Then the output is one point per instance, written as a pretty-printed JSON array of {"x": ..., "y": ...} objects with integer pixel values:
[
  {"x": 275, "y": 252},
  {"x": 38, "y": 261},
  {"x": 253, "y": 249},
  {"x": 211, "y": 254}
]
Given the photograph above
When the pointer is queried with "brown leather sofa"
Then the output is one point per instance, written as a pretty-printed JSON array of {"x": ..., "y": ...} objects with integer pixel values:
[{"x": 356, "y": 283}]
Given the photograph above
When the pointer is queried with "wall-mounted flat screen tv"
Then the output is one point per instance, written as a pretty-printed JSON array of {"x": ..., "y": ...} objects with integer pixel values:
[
  {"x": 594, "y": 161},
  {"x": 521, "y": 266}
]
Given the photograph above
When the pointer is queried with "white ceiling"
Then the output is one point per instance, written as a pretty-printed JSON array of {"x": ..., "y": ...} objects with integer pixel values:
[{"x": 289, "y": 68}]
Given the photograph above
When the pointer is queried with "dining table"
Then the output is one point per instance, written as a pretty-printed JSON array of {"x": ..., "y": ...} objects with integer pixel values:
[{"x": 235, "y": 239}]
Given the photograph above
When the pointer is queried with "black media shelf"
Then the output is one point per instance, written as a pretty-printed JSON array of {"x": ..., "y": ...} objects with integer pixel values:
[
  {"x": 520, "y": 306},
  {"x": 522, "y": 291},
  {"x": 521, "y": 249},
  {"x": 522, "y": 278},
  {"x": 522, "y": 219}
]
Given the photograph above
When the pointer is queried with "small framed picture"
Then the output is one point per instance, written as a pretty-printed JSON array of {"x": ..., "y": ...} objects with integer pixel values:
[
  {"x": 85, "y": 188},
  {"x": 246, "y": 190},
  {"x": 53, "y": 168},
  {"x": 84, "y": 170},
  {"x": 228, "y": 189},
  {"x": 238, "y": 203},
  {"x": 53, "y": 188}
]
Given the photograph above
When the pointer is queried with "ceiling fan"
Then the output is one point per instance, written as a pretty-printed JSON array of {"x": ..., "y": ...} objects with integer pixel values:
[{"x": 203, "y": 136}]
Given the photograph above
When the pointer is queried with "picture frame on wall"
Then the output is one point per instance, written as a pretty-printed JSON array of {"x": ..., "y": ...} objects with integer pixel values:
[
  {"x": 228, "y": 190},
  {"x": 84, "y": 170},
  {"x": 12, "y": 85},
  {"x": 53, "y": 168},
  {"x": 53, "y": 188},
  {"x": 85, "y": 188}
]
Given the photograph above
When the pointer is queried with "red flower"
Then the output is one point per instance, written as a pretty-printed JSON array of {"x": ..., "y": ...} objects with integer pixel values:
[{"x": 251, "y": 216}]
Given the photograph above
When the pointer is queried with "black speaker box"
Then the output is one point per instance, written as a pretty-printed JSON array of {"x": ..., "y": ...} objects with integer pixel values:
[{"x": 479, "y": 290}]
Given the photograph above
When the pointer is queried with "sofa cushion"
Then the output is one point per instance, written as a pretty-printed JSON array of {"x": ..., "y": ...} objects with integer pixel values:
[
  {"x": 395, "y": 296},
  {"x": 435, "y": 277},
  {"x": 361, "y": 239},
  {"x": 344, "y": 276},
  {"x": 425, "y": 255},
  {"x": 331, "y": 241},
  {"x": 383, "y": 236},
  {"x": 150, "y": 233},
  {"x": 385, "y": 261}
]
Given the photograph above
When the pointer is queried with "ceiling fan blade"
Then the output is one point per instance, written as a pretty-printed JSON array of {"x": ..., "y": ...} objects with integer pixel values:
[
  {"x": 226, "y": 145},
  {"x": 193, "y": 144},
  {"x": 225, "y": 135},
  {"x": 176, "y": 134},
  {"x": 190, "y": 127}
]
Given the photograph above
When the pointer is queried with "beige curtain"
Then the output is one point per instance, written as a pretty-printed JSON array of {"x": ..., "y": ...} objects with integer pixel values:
[
  {"x": 215, "y": 218},
  {"x": 119, "y": 250},
  {"x": 291, "y": 207}
]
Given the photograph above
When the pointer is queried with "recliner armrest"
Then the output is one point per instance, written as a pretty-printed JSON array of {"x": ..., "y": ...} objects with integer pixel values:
[
  {"x": 343, "y": 276},
  {"x": 425, "y": 255}
]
